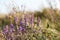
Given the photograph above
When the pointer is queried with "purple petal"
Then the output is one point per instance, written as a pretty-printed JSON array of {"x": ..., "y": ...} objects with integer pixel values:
[
  {"x": 21, "y": 24},
  {"x": 21, "y": 28},
  {"x": 5, "y": 29},
  {"x": 15, "y": 19},
  {"x": 11, "y": 25}
]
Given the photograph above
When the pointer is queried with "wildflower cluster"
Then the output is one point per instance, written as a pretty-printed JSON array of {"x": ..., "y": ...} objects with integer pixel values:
[{"x": 26, "y": 27}]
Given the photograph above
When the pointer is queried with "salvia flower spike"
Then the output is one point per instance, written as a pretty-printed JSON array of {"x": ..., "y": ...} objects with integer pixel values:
[{"x": 38, "y": 20}]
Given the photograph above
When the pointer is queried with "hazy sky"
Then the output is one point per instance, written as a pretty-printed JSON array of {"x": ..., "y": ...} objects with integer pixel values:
[{"x": 6, "y": 5}]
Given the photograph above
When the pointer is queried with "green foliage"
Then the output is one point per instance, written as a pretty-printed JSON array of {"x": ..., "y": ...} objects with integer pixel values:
[{"x": 50, "y": 21}]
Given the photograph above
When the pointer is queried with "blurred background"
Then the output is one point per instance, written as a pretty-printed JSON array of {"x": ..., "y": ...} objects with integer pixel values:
[{"x": 29, "y": 5}]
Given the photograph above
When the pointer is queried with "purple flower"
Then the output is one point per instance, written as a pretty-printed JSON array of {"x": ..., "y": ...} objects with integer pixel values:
[
  {"x": 20, "y": 28},
  {"x": 8, "y": 37},
  {"x": 15, "y": 18},
  {"x": 11, "y": 25},
  {"x": 21, "y": 24},
  {"x": 31, "y": 19},
  {"x": 38, "y": 20},
  {"x": 5, "y": 29}
]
